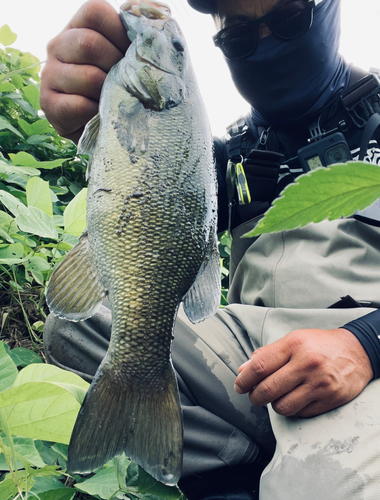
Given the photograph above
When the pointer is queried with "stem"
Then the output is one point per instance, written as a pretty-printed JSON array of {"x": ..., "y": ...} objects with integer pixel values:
[
  {"x": 12, "y": 466},
  {"x": 32, "y": 336}
]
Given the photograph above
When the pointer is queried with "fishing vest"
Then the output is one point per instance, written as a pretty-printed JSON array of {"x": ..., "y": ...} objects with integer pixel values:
[{"x": 263, "y": 161}]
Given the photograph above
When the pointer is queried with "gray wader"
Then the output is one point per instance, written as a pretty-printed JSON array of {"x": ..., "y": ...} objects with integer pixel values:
[{"x": 279, "y": 283}]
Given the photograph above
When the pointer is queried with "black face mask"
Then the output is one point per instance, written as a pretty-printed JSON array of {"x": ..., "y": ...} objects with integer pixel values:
[{"x": 288, "y": 82}]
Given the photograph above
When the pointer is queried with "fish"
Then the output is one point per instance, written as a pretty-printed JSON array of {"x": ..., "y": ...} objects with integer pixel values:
[{"x": 150, "y": 245}]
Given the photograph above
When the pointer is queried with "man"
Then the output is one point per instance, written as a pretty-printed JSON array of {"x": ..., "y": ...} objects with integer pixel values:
[{"x": 286, "y": 337}]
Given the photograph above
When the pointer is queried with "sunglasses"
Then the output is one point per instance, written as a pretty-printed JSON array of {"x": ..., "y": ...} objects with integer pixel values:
[{"x": 286, "y": 21}]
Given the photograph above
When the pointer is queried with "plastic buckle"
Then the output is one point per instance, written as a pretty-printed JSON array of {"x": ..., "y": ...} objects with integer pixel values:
[
  {"x": 236, "y": 179},
  {"x": 357, "y": 99}
]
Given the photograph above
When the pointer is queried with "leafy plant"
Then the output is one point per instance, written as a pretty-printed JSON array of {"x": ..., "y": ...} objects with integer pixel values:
[
  {"x": 325, "y": 193},
  {"x": 40, "y": 176},
  {"x": 38, "y": 409}
]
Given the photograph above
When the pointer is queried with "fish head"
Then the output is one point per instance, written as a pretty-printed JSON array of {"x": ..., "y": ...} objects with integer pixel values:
[{"x": 155, "y": 68}]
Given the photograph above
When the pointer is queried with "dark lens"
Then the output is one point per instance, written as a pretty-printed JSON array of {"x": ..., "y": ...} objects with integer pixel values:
[
  {"x": 239, "y": 41},
  {"x": 290, "y": 19}
]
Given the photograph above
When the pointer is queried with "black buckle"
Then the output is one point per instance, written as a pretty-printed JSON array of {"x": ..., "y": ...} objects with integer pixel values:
[{"x": 358, "y": 99}]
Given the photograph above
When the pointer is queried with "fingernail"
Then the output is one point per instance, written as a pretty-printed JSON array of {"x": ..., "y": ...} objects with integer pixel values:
[{"x": 237, "y": 389}]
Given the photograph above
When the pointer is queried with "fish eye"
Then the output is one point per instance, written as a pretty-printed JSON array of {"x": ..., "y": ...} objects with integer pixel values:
[{"x": 178, "y": 44}]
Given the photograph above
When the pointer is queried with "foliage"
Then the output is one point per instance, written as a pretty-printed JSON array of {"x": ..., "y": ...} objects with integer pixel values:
[
  {"x": 325, "y": 193},
  {"x": 38, "y": 409},
  {"x": 39, "y": 177}
]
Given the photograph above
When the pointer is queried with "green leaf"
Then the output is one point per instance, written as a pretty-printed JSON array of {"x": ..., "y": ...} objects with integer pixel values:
[
  {"x": 104, "y": 484},
  {"x": 7, "y": 37},
  {"x": 6, "y": 87},
  {"x": 8, "y": 369},
  {"x": 37, "y": 222},
  {"x": 27, "y": 449},
  {"x": 33, "y": 96},
  {"x": 11, "y": 254},
  {"x": 23, "y": 357},
  {"x": 23, "y": 159},
  {"x": 75, "y": 214},
  {"x": 58, "y": 494},
  {"x": 45, "y": 484},
  {"x": 11, "y": 169},
  {"x": 4, "y": 124},
  {"x": 5, "y": 236},
  {"x": 325, "y": 193},
  {"x": 41, "y": 126},
  {"x": 43, "y": 403},
  {"x": 38, "y": 195},
  {"x": 151, "y": 489},
  {"x": 12, "y": 203},
  {"x": 8, "y": 489}
]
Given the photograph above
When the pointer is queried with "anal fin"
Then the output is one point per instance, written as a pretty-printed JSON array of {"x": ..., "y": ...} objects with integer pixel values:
[
  {"x": 74, "y": 291},
  {"x": 203, "y": 298}
]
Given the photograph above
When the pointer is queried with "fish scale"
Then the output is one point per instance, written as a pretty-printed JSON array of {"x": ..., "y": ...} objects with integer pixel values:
[{"x": 150, "y": 243}]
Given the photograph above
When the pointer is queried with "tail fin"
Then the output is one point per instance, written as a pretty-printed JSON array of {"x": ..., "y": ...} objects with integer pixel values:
[{"x": 143, "y": 420}]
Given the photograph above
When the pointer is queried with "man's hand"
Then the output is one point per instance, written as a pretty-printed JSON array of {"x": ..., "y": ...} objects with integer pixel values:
[
  {"x": 307, "y": 372},
  {"x": 78, "y": 61}
]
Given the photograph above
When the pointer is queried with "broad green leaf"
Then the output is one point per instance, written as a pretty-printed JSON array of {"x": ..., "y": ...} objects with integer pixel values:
[
  {"x": 36, "y": 263},
  {"x": 33, "y": 96},
  {"x": 37, "y": 222},
  {"x": 31, "y": 65},
  {"x": 75, "y": 214},
  {"x": 325, "y": 193},
  {"x": 41, "y": 126},
  {"x": 8, "y": 370},
  {"x": 6, "y": 220},
  {"x": 12, "y": 203},
  {"x": 5, "y": 236},
  {"x": 151, "y": 489},
  {"x": 11, "y": 169},
  {"x": 7, "y": 37},
  {"x": 23, "y": 357},
  {"x": 41, "y": 410},
  {"x": 104, "y": 484},
  {"x": 43, "y": 403},
  {"x": 58, "y": 494},
  {"x": 45, "y": 484},
  {"x": 24, "y": 240},
  {"x": 4, "y": 124},
  {"x": 48, "y": 165},
  {"x": 23, "y": 159},
  {"x": 11, "y": 254},
  {"x": 6, "y": 87},
  {"x": 38, "y": 195},
  {"x": 8, "y": 489},
  {"x": 49, "y": 373},
  {"x": 27, "y": 449}
]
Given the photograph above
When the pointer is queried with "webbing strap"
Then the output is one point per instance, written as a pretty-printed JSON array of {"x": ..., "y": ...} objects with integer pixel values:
[{"x": 369, "y": 130}]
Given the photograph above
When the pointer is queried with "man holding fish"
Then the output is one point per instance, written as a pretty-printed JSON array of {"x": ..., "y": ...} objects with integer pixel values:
[{"x": 300, "y": 333}]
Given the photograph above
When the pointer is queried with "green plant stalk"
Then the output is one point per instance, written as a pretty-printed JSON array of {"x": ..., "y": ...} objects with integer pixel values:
[
  {"x": 12, "y": 464},
  {"x": 34, "y": 339},
  {"x": 20, "y": 70}
]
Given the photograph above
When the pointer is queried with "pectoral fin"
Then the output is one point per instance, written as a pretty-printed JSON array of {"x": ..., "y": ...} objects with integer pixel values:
[
  {"x": 74, "y": 291},
  {"x": 203, "y": 298},
  {"x": 88, "y": 139}
]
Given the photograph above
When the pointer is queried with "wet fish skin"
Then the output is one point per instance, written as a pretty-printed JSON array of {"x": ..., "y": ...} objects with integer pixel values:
[{"x": 150, "y": 243}]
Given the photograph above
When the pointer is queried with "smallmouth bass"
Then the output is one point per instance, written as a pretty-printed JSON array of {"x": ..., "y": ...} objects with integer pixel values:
[{"x": 150, "y": 243}]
